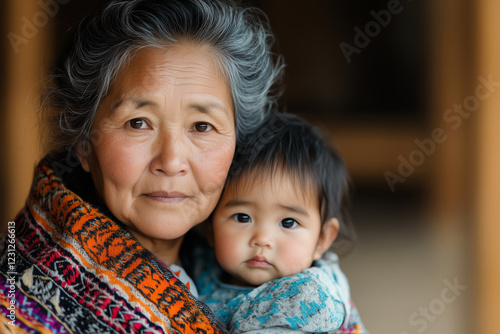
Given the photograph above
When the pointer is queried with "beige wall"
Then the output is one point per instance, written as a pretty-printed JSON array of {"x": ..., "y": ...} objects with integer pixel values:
[
  {"x": 488, "y": 176},
  {"x": 24, "y": 71}
]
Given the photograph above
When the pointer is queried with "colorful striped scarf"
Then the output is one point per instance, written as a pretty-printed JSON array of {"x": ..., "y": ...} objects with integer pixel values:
[{"x": 67, "y": 267}]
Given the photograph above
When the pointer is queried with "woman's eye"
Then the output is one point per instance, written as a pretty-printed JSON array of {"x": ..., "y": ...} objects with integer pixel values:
[
  {"x": 137, "y": 123},
  {"x": 202, "y": 127},
  {"x": 288, "y": 223},
  {"x": 242, "y": 218}
]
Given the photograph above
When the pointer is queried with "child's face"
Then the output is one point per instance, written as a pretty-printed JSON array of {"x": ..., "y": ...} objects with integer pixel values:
[{"x": 266, "y": 229}]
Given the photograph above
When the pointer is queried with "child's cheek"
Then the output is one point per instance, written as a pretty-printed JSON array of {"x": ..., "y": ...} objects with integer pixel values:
[
  {"x": 226, "y": 251},
  {"x": 295, "y": 260}
]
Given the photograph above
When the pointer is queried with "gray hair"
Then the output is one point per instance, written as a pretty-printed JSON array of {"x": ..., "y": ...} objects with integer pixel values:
[{"x": 108, "y": 38}]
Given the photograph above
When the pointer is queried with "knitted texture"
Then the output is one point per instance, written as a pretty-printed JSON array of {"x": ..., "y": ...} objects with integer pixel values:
[{"x": 316, "y": 300}]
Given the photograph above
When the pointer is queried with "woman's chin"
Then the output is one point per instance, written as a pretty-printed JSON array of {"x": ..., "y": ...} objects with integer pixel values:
[{"x": 161, "y": 225}]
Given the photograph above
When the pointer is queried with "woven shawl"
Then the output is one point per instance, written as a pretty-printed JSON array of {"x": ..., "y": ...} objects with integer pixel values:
[{"x": 78, "y": 271}]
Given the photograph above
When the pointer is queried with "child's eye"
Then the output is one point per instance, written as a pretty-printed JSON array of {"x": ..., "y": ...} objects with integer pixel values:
[
  {"x": 242, "y": 218},
  {"x": 137, "y": 123},
  {"x": 289, "y": 223},
  {"x": 202, "y": 127}
]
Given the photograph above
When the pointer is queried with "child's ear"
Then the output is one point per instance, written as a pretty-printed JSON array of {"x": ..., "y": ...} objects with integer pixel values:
[{"x": 328, "y": 234}]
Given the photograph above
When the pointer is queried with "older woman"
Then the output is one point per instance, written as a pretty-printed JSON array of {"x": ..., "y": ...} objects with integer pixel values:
[{"x": 143, "y": 115}]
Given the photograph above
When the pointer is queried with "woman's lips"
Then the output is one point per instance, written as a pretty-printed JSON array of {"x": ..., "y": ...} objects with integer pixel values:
[
  {"x": 167, "y": 197},
  {"x": 258, "y": 262}
]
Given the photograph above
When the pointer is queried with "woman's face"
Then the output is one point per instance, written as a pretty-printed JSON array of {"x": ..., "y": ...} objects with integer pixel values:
[{"x": 165, "y": 138}]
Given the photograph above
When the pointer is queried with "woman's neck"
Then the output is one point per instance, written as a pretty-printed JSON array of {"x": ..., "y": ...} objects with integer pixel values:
[{"x": 165, "y": 250}]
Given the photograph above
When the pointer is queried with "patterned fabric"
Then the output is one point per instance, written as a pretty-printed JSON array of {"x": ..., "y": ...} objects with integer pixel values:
[
  {"x": 184, "y": 278},
  {"x": 78, "y": 271},
  {"x": 316, "y": 300}
]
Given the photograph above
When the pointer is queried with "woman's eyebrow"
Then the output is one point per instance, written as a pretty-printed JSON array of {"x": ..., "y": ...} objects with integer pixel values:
[
  {"x": 205, "y": 108},
  {"x": 209, "y": 107},
  {"x": 137, "y": 102}
]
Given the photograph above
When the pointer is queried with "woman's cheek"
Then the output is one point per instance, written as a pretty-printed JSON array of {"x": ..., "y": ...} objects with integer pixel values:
[
  {"x": 215, "y": 164},
  {"x": 119, "y": 160}
]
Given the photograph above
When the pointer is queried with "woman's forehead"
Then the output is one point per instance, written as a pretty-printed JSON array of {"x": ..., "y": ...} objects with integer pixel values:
[
  {"x": 176, "y": 64},
  {"x": 155, "y": 74}
]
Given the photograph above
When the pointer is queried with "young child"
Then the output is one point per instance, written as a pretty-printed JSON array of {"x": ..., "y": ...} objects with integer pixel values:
[{"x": 279, "y": 214}]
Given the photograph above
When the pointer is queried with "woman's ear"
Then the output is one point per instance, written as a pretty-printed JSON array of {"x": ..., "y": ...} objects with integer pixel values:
[
  {"x": 84, "y": 158},
  {"x": 327, "y": 235}
]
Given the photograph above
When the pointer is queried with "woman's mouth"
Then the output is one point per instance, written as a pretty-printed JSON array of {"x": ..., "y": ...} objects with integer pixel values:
[{"x": 166, "y": 197}]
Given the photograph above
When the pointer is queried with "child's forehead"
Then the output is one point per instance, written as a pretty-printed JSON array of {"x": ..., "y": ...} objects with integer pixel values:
[{"x": 272, "y": 182}]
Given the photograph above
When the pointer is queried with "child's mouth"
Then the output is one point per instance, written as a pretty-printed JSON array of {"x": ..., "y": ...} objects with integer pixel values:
[{"x": 258, "y": 262}]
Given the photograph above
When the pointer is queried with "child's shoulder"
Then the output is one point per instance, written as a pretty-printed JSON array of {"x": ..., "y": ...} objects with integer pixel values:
[
  {"x": 303, "y": 301},
  {"x": 329, "y": 265}
]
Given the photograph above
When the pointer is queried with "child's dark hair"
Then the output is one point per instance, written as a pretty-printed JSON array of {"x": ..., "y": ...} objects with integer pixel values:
[{"x": 287, "y": 144}]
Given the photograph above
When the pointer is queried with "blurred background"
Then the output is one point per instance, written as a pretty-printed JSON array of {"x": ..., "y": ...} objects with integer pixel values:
[{"x": 409, "y": 93}]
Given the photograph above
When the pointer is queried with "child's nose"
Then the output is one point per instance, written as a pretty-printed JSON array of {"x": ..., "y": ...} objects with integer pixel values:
[{"x": 261, "y": 238}]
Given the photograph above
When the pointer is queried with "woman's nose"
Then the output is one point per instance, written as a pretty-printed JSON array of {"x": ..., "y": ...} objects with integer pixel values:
[
  {"x": 170, "y": 154},
  {"x": 261, "y": 237}
]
